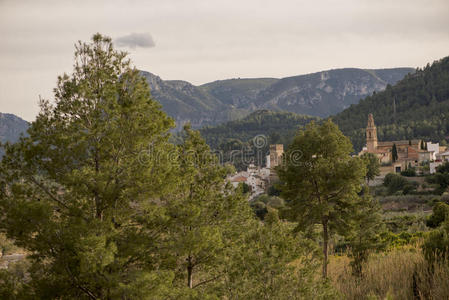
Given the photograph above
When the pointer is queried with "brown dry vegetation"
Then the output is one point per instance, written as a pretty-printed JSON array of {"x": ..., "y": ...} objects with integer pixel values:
[{"x": 397, "y": 274}]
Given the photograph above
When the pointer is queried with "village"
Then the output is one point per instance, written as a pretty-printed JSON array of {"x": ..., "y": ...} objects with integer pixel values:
[{"x": 394, "y": 157}]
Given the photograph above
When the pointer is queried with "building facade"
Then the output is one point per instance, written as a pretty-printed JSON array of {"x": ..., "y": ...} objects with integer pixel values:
[{"x": 409, "y": 152}]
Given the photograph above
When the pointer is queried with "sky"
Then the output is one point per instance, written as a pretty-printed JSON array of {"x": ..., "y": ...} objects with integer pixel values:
[{"x": 205, "y": 40}]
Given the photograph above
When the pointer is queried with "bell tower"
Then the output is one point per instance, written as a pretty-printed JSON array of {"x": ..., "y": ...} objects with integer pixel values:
[{"x": 371, "y": 134}]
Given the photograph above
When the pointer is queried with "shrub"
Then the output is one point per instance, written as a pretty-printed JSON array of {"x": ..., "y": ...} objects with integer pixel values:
[
  {"x": 440, "y": 214},
  {"x": 276, "y": 202},
  {"x": 410, "y": 172},
  {"x": 395, "y": 183},
  {"x": 436, "y": 245}
]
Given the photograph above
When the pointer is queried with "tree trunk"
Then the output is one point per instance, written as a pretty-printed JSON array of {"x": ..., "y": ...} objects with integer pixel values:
[
  {"x": 189, "y": 273},
  {"x": 325, "y": 243}
]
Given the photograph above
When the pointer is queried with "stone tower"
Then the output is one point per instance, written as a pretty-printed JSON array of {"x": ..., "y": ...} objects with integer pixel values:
[
  {"x": 276, "y": 152},
  {"x": 371, "y": 134}
]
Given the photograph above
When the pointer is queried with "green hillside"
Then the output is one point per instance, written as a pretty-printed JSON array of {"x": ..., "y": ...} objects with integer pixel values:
[
  {"x": 416, "y": 107},
  {"x": 235, "y": 141},
  {"x": 278, "y": 127}
]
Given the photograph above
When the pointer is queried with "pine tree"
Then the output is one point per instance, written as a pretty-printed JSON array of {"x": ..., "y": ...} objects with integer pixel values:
[
  {"x": 365, "y": 235},
  {"x": 275, "y": 263},
  {"x": 80, "y": 190},
  {"x": 321, "y": 181},
  {"x": 207, "y": 216}
]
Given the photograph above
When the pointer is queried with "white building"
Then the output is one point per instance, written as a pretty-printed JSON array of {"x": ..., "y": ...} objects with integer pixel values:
[{"x": 434, "y": 149}]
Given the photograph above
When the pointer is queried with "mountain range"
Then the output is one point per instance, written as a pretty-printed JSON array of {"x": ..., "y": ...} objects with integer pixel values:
[{"x": 318, "y": 94}]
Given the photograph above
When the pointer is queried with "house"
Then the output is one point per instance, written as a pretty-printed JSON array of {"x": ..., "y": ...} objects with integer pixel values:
[{"x": 434, "y": 148}]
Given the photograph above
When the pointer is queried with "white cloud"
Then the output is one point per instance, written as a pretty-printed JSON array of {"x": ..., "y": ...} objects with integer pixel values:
[{"x": 134, "y": 40}]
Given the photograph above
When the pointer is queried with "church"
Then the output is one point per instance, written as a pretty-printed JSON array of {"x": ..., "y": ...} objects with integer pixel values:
[{"x": 409, "y": 152}]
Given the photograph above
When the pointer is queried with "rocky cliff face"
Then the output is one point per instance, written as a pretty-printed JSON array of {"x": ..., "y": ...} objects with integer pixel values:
[{"x": 318, "y": 94}]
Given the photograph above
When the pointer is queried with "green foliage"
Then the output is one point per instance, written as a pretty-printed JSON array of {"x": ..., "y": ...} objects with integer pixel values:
[
  {"x": 396, "y": 183},
  {"x": 245, "y": 187},
  {"x": 263, "y": 202},
  {"x": 400, "y": 239},
  {"x": 409, "y": 172},
  {"x": 234, "y": 139},
  {"x": 400, "y": 222},
  {"x": 365, "y": 236},
  {"x": 394, "y": 153},
  {"x": 78, "y": 194},
  {"x": 440, "y": 178},
  {"x": 13, "y": 281},
  {"x": 206, "y": 216},
  {"x": 321, "y": 181},
  {"x": 372, "y": 165},
  {"x": 440, "y": 214},
  {"x": 422, "y": 108},
  {"x": 273, "y": 190},
  {"x": 275, "y": 263},
  {"x": 436, "y": 244}
]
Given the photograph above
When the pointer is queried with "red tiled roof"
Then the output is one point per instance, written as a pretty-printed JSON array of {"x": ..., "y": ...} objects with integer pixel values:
[{"x": 239, "y": 179}]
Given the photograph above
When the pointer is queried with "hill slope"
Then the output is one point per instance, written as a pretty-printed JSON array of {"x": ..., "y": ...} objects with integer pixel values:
[
  {"x": 416, "y": 107},
  {"x": 318, "y": 94},
  {"x": 241, "y": 93},
  {"x": 11, "y": 127},
  {"x": 186, "y": 102},
  {"x": 328, "y": 92}
]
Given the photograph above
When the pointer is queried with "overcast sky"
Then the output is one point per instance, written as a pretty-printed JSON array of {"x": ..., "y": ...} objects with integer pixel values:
[{"x": 205, "y": 40}]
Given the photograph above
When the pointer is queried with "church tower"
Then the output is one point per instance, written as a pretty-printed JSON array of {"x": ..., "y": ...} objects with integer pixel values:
[
  {"x": 371, "y": 134},
  {"x": 276, "y": 152}
]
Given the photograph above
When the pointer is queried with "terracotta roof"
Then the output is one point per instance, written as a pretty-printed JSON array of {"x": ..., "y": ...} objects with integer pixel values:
[
  {"x": 398, "y": 143},
  {"x": 239, "y": 179}
]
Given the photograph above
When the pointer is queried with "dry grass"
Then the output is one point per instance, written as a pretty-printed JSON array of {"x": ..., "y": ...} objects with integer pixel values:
[{"x": 398, "y": 274}]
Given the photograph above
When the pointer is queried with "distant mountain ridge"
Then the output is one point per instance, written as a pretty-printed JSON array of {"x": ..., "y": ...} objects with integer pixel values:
[
  {"x": 11, "y": 127},
  {"x": 318, "y": 94}
]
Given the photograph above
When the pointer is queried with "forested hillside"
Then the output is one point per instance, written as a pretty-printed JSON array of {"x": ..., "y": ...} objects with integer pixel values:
[
  {"x": 252, "y": 135},
  {"x": 278, "y": 127},
  {"x": 416, "y": 107}
]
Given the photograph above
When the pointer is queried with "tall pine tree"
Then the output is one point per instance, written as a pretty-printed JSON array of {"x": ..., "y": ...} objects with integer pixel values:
[
  {"x": 76, "y": 191},
  {"x": 321, "y": 181}
]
